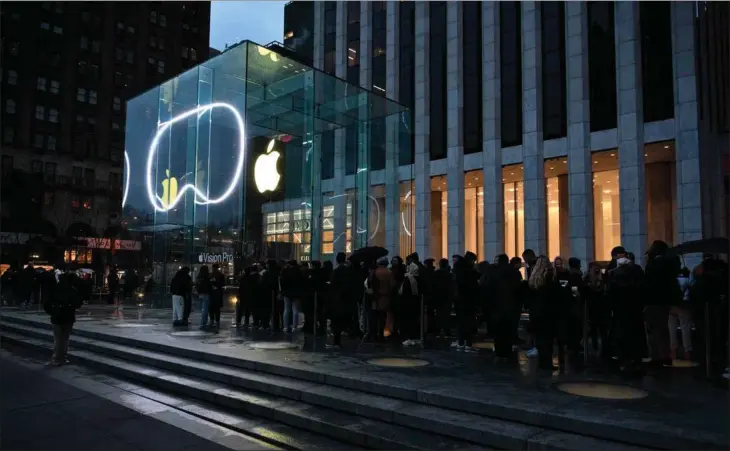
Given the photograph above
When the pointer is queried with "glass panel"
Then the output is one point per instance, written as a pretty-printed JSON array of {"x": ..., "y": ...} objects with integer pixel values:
[
  {"x": 474, "y": 213},
  {"x": 606, "y": 201},
  {"x": 557, "y": 199},
  {"x": 514, "y": 211},
  {"x": 439, "y": 216},
  {"x": 661, "y": 192}
]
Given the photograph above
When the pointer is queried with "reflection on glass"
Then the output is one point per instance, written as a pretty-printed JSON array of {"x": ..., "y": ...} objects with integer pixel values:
[
  {"x": 514, "y": 219},
  {"x": 606, "y": 213},
  {"x": 557, "y": 207},
  {"x": 377, "y": 216},
  {"x": 288, "y": 233},
  {"x": 474, "y": 213},
  {"x": 407, "y": 219}
]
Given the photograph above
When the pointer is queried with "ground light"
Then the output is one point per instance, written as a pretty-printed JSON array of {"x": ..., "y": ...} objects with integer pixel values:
[
  {"x": 398, "y": 362},
  {"x": 602, "y": 390},
  {"x": 682, "y": 364},
  {"x": 274, "y": 345},
  {"x": 191, "y": 333},
  {"x": 133, "y": 325}
]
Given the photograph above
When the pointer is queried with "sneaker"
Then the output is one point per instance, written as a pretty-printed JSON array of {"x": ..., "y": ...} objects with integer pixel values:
[
  {"x": 459, "y": 347},
  {"x": 455, "y": 344},
  {"x": 532, "y": 352},
  {"x": 408, "y": 343}
]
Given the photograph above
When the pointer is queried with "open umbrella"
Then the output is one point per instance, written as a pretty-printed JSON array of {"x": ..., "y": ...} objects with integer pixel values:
[
  {"x": 368, "y": 254},
  {"x": 716, "y": 245}
]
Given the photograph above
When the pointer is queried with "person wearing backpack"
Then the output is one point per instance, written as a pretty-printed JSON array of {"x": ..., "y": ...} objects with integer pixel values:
[{"x": 61, "y": 306}]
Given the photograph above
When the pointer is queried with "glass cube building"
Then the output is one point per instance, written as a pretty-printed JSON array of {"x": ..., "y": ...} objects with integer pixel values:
[{"x": 223, "y": 163}]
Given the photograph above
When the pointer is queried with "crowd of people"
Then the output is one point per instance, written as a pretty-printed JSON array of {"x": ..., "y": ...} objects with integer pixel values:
[{"x": 618, "y": 312}]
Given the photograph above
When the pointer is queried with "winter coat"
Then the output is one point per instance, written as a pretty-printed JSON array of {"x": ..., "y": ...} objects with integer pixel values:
[
  {"x": 342, "y": 287},
  {"x": 466, "y": 284},
  {"x": 293, "y": 285},
  {"x": 503, "y": 290},
  {"x": 204, "y": 285},
  {"x": 64, "y": 301},
  {"x": 382, "y": 284},
  {"x": 181, "y": 284},
  {"x": 442, "y": 288},
  {"x": 661, "y": 281}
]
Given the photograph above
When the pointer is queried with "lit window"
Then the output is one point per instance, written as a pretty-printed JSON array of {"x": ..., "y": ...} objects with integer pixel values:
[
  {"x": 117, "y": 104},
  {"x": 84, "y": 42},
  {"x": 163, "y": 20},
  {"x": 38, "y": 141},
  {"x": 153, "y": 16},
  {"x": 87, "y": 203},
  {"x": 115, "y": 125},
  {"x": 193, "y": 54},
  {"x": 81, "y": 95},
  {"x": 9, "y": 135},
  {"x": 41, "y": 85},
  {"x": 161, "y": 67},
  {"x": 92, "y": 97},
  {"x": 45, "y": 26},
  {"x": 53, "y": 115},
  {"x": 58, "y": 30},
  {"x": 55, "y": 87},
  {"x": 51, "y": 144},
  {"x": 12, "y": 77},
  {"x": 10, "y": 106},
  {"x": 40, "y": 112}
]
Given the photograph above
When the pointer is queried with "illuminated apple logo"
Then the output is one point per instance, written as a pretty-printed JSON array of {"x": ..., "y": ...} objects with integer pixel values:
[
  {"x": 169, "y": 189},
  {"x": 265, "y": 173}
]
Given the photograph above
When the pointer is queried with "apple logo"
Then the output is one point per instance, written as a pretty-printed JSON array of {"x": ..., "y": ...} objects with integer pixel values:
[
  {"x": 169, "y": 189},
  {"x": 200, "y": 258},
  {"x": 266, "y": 175}
]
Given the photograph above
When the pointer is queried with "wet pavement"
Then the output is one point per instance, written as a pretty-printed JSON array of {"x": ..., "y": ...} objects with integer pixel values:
[
  {"x": 677, "y": 397},
  {"x": 39, "y": 411}
]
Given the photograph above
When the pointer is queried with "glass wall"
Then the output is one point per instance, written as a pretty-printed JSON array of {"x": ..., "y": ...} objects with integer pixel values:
[
  {"x": 514, "y": 210},
  {"x": 474, "y": 213},
  {"x": 407, "y": 242},
  {"x": 557, "y": 198},
  {"x": 377, "y": 216},
  {"x": 661, "y": 192},
  {"x": 439, "y": 218},
  {"x": 606, "y": 204},
  {"x": 224, "y": 162}
]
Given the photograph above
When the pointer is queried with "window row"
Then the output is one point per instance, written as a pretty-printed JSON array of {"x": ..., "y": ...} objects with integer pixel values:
[
  {"x": 189, "y": 52},
  {"x": 160, "y": 64},
  {"x": 43, "y": 85},
  {"x": 86, "y": 44},
  {"x": 82, "y": 95},
  {"x": 41, "y": 141},
  {"x": 42, "y": 114},
  {"x": 56, "y": 29},
  {"x": 159, "y": 19}
]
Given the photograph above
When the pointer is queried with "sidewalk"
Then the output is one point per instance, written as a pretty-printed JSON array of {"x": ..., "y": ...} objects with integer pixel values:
[{"x": 40, "y": 412}]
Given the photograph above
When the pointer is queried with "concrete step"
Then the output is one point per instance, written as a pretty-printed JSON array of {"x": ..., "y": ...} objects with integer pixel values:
[
  {"x": 352, "y": 429},
  {"x": 503, "y": 407}
]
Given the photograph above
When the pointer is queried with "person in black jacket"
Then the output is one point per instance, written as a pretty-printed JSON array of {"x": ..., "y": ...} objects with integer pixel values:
[
  {"x": 180, "y": 287},
  {"x": 204, "y": 287},
  {"x": 503, "y": 286},
  {"x": 548, "y": 306},
  {"x": 216, "y": 297},
  {"x": 246, "y": 296},
  {"x": 663, "y": 289},
  {"x": 270, "y": 288},
  {"x": 61, "y": 305},
  {"x": 442, "y": 297},
  {"x": 466, "y": 285},
  {"x": 292, "y": 288},
  {"x": 626, "y": 293},
  {"x": 342, "y": 301}
]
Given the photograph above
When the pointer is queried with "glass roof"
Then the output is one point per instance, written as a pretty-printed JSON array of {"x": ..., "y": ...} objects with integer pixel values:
[{"x": 285, "y": 96}]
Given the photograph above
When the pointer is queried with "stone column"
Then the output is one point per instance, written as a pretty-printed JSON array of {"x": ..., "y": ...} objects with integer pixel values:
[
  {"x": 392, "y": 70},
  {"x": 422, "y": 126},
  {"x": 455, "y": 128},
  {"x": 630, "y": 129},
  {"x": 340, "y": 200},
  {"x": 580, "y": 174},
  {"x": 318, "y": 53},
  {"x": 491, "y": 129},
  {"x": 532, "y": 143},
  {"x": 686, "y": 124}
]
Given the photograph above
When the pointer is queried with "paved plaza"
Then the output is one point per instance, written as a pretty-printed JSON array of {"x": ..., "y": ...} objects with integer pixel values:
[{"x": 675, "y": 402}]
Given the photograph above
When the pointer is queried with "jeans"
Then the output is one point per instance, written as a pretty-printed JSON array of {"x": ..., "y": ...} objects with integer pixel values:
[
  {"x": 204, "y": 308},
  {"x": 656, "y": 318},
  {"x": 178, "y": 303},
  {"x": 61, "y": 337},
  {"x": 289, "y": 305},
  {"x": 682, "y": 316}
]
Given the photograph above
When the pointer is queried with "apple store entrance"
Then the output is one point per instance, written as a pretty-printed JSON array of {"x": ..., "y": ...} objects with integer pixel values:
[{"x": 252, "y": 155}]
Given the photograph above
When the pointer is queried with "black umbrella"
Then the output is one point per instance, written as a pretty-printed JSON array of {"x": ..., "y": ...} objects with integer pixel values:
[
  {"x": 717, "y": 245},
  {"x": 368, "y": 254}
]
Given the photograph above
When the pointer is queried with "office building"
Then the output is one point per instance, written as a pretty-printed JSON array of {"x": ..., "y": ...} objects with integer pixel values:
[
  {"x": 564, "y": 127},
  {"x": 68, "y": 69}
]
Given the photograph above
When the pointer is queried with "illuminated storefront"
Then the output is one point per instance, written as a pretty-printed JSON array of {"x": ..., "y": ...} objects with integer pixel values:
[{"x": 226, "y": 159}]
